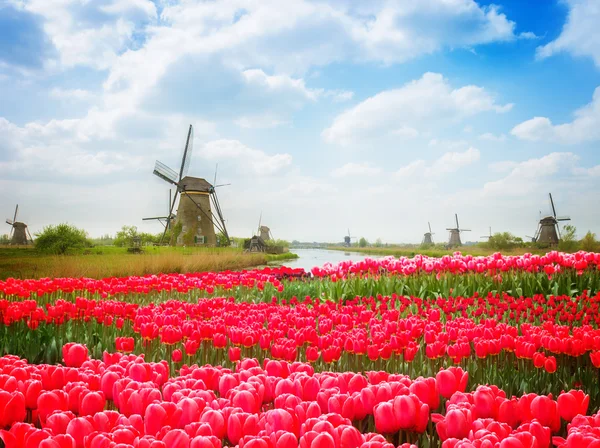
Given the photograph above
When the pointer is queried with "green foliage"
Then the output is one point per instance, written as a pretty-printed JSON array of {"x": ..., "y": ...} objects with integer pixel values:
[
  {"x": 568, "y": 241},
  {"x": 363, "y": 242},
  {"x": 222, "y": 240},
  {"x": 125, "y": 237},
  {"x": 4, "y": 239},
  {"x": 589, "y": 243},
  {"x": 61, "y": 239},
  {"x": 104, "y": 240},
  {"x": 175, "y": 232},
  {"x": 503, "y": 241},
  {"x": 282, "y": 243},
  {"x": 378, "y": 242}
]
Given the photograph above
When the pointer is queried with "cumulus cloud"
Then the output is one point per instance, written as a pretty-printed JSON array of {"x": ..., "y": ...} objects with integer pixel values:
[
  {"x": 355, "y": 169},
  {"x": 584, "y": 128},
  {"x": 580, "y": 35},
  {"x": 526, "y": 177},
  {"x": 488, "y": 136},
  {"x": 449, "y": 162},
  {"x": 419, "y": 104},
  {"x": 258, "y": 160}
]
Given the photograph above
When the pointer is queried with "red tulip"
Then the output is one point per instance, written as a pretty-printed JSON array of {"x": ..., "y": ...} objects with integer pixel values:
[
  {"x": 177, "y": 356},
  {"x": 572, "y": 403},
  {"x": 451, "y": 380},
  {"x": 74, "y": 355}
]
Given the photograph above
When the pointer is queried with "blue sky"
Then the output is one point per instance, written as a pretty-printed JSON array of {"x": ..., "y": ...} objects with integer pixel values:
[{"x": 325, "y": 115}]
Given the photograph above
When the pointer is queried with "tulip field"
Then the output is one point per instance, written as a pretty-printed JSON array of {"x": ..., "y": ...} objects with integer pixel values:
[{"x": 456, "y": 352}]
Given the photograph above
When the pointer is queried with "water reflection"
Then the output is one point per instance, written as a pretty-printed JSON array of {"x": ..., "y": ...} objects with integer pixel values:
[{"x": 310, "y": 258}]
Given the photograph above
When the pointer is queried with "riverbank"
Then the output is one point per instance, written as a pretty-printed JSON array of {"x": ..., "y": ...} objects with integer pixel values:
[
  {"x": 437, "y": 253},
  {"x": 109, "y": 261}
]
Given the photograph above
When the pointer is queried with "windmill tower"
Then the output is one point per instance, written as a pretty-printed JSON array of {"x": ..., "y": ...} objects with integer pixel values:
[
  {"x": 195, "y": 221},
  {"x": 19, "y": 231},
  {"x": 548, "y": 231},
  {"x": 454, "y": 240},
  {"x": 348, "y": 239},
  {"x": 427, "y": 237}
]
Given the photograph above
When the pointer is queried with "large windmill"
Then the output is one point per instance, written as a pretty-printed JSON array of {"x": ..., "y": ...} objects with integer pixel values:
[
  {"x": 427, "y": 237},
  {"x": 454, "y": 240},
  {"x": 19, "y": 230},
  {"x": 548, "y": 231},
  {"x": 195, "y": 222},
  {"x": 348, "y": 239}
]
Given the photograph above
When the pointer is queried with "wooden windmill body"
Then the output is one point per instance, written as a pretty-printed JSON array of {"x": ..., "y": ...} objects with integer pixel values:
[
  {"x": 454, "y": 240},
  {"x": 199, "y": 211},
  {"x": 428, "y": 236},
  {"x": 19, "y": 233},
  {"x": 548, "y": 231}
]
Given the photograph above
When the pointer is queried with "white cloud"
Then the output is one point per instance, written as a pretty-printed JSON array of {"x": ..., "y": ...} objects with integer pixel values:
[
  {"x": 280, "y": 83},
  {"x": 419, "y": 104},
  {"x": 355, "y": 169},
  {"x": 260, "y": 162},
  {"x": 448, "y": 163},
  {"x": 525, "y": 177},
  {"x": 71, "y": 94},
  {"x": 262, "y": 121},
  {"x": 580, "y": 35},
  {"x": 492, "y": 137},
  {"x": 584, "y": 128}
]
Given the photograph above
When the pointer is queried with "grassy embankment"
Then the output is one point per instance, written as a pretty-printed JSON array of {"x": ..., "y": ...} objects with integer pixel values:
[
  {"x": 110, "y": 261},
  {"x": 397, "y": 251}
]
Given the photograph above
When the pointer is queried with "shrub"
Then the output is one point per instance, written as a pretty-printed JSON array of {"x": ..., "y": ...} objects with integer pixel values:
[
  {"x": 568, "y": 242},
  {"x": 61, "y": 239},
  {"x": 589, "y": 243}
]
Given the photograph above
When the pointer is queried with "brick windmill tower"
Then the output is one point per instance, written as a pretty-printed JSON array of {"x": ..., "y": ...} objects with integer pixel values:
[
  {"x": 427, "y": 237},
  {"x": 199, "y": 212}
]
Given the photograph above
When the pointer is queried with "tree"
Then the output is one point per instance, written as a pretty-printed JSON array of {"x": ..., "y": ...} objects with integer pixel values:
[
  {"x": 568, "y": 241},
  {"x": 125, "y": 236},
  {"x": 378, "y": 242},
  {"x": 504, "y": 241},
  {"x": 363, "y": 242},
  {"x": 4, "y": 239},
  {"x": 61, "y": 239},
  {"x": 589, "y": 243}
]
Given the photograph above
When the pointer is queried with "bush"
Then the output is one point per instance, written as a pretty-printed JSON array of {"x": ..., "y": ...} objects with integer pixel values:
[
  {"x": 589, "y": 243},
  {"x": 363, "y": 242},
  {"x": 504, "y": 241},
  {"x": 61, "y": 239},
  {"x": 568, "y": 242}
]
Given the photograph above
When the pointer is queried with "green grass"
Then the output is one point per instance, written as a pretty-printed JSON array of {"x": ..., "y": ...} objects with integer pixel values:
[
  {"x": 273, "y": 258},
  {"x": 109, "y": 261}
]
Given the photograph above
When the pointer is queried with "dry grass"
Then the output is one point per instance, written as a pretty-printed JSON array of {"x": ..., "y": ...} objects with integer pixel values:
[{"x": 29, "y": 264}]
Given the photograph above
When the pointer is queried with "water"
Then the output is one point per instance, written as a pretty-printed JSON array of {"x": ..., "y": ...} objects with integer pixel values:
[{"x": 309, "y": 258}]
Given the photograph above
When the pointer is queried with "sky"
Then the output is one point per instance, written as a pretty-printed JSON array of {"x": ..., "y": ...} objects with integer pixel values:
[{"x": 325, "y": 116}]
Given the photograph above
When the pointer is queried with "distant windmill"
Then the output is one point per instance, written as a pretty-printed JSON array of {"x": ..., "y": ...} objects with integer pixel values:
[
  {"x": 487, "y": 236},
  {"x": 548, "y": 231},
  {"x": 19, "y": 230},
  {"x": 164, "y": 220},
  {"x": 263, "y": 231},
  {"x": 348, "y": 239},
  {"x": 194, "y": 213},
  {"x": 427, "y": 237},
  {"x": 454, "y": 240}
]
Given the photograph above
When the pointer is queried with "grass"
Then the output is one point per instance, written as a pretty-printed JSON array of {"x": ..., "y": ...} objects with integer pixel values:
[
  {"x": 110, "y": 261},
  {"x": 412, "y": 251}
]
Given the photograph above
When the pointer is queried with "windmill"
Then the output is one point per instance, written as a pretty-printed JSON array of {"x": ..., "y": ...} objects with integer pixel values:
[
  {"x": 548, "y": 231},
  {"x": 348, "y": 239},
  {"x": 487, "y": 236},
  {"x": 263, "y": 231},
  {"x": 164, "y": 220},
  {"x": 19, "y": 230},
  {"x": 427, "y": 237},
  {"x": 455, "y": 234},
  {"x": 197, "y": 198}
]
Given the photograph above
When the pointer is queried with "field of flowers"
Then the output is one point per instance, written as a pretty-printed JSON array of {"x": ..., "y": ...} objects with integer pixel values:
[{"x": 455, "y": 352}]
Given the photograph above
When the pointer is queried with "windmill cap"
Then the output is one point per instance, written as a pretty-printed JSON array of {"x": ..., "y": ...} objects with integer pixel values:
[{"x": 189, "y": 183}]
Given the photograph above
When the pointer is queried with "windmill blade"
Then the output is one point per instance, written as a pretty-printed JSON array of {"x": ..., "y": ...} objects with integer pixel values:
[
  {"x": 30, "y": 237},
  {"x": 563, "y": 218},
  {"x": 456, "y": 216},
  {"x": 223, "y": 228},
  {"x": 187, "y": 153},
  {"x": 429, "y": 227},
  {"x": 259, "y": 222},
  {"x": 464, "y": 230},
  {"x": 215, "y": 180},
  {"x": 165, "y": 173},
  {"x": 221, "y": 185},
  {"x": 552, "y": 203},
  {"x": 9, "y": 222},
  {"x": 169, "y": 218},
  {"x": 16, "y": 210}
]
